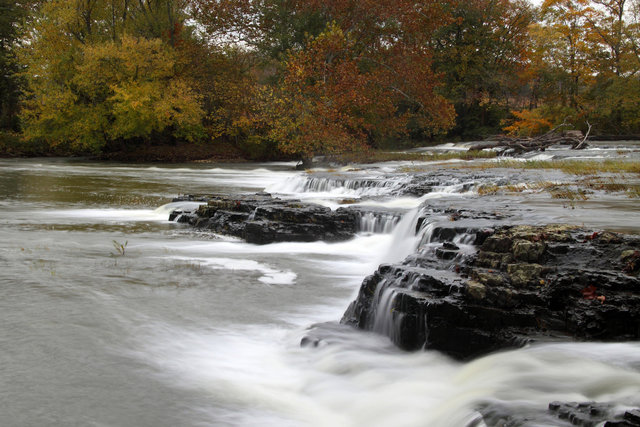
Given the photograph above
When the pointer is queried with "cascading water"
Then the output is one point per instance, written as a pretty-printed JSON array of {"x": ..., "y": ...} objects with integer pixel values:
[
  {"x": 420, "y": 231},
  {"x": 332, "y": 186},
  {"x": 404, "y": 239},
  {"x": 379, "y": 223}
]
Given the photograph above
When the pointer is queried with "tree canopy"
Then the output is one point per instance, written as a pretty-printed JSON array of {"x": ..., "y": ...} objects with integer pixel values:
[{"x": 305, "y": 77}]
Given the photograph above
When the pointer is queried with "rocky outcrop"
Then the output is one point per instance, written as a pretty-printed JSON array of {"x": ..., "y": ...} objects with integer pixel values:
[
  {"x": 583, "y": 414},
  {"x": 263, "y": 219},
  {"x": 521, "y": 284}
]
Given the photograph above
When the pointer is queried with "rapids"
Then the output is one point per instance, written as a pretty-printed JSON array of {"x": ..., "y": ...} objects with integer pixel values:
[{"x": 113, "y": 316}]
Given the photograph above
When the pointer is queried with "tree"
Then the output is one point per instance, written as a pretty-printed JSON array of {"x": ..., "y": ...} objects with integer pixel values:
[
  {"x": 482, "y": 53},
  {"x": 119, "y": 91},
  {"x": 606, "y": 21},
  {"x": 317, "y": 107},
  {"x": 571, "y": 51},
  {"x": 613, "y": 97},
  {"x": 12, "y": 14},
  {"x": 366, "y": 77},
  {"x": 91, "y": 83}
]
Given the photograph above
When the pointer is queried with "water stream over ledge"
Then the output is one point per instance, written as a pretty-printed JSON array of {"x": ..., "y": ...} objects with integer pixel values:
[{"x": 187, "y": 328}]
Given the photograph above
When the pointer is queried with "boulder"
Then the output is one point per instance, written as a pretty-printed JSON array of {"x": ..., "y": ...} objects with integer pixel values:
[
  {"x": 522, "y": 284},
  {"x": 262, "y": 219}
]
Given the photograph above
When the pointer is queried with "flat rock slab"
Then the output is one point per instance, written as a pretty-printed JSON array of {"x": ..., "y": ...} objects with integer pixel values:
[{"x": 262, "y": 219}]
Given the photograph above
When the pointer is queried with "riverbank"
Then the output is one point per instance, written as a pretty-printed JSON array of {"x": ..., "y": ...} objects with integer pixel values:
[{"x": 11, "y": 146}]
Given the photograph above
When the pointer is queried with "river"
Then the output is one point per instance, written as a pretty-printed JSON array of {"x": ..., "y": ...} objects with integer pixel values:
[{"x": 113, "y": 316}]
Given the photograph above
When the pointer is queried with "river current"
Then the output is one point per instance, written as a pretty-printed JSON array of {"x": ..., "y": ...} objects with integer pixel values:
[{"x": 110, "y": 315}]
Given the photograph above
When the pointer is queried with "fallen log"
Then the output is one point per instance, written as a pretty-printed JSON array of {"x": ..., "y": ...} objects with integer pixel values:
[{"x": 518, "y": 145}]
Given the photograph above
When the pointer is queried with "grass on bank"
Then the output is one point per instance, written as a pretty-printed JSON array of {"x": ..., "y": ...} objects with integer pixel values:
[
  {"x": 580, "y": 190},
  {"x": 574, "y": 167}
]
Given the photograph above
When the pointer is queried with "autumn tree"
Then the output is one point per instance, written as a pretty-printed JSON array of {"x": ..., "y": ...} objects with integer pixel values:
[
  {"x": 613, "y": 97},
  {"x": 606, "y": 20},
  {"x": 367, "y": 77},
  {"x": 481, "y": 55},
  {"x": 336, "y": 75},
  {"x": 122, "y": 90},
  {"x": 559, "y": 70},
  {"x": 105, "y": 71}
]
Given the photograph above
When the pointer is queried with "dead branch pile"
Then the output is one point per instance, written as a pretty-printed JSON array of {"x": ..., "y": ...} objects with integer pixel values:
[{"x": 516, "y": 145}]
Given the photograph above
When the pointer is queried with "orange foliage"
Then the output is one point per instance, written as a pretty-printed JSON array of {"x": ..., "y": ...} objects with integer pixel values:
[
  {"x": 528, "y": 123},
  {"x": 367, "y": 75}
]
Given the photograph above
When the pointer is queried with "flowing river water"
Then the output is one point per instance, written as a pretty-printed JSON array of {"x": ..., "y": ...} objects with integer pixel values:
[{"x": 110, "y": 315}]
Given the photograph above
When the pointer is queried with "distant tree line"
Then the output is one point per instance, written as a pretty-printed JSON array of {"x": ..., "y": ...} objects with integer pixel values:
[{"x": 305, "y": 77}]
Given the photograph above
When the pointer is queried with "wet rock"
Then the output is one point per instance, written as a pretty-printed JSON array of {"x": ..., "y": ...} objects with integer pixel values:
[
  {"x": 523, "y": 284},
  {"x": 591, "y": 414},
  {"x": 476, "y": 290},
  {"x": 498, "y": 244},
  {"x": 631, "y": 260},
  {"x": 488, "y": 278},
  {"x": 583, "y": 414},
  {"x": 626, "y": 255},
  {"x": 447, "y": 251},
  {"x": 525, "y": 250},
  {"x": 262, "y": 219},
  {"x": 524, "y": 274},
  {"x": 633, "y": 416}
]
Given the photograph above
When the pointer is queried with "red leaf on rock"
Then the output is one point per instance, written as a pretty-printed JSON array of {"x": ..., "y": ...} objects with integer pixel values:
[{"x": 589, "y": 292}]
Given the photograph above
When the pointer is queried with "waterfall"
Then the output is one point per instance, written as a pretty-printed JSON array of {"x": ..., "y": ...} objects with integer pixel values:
[
  {"x": 439, "y": 245},
  {"x": 378, "y": 223},
  {"x": 404, "y": 240},
  {"x": 339, "y": 186},
  {"x": 385, "y": 320}
]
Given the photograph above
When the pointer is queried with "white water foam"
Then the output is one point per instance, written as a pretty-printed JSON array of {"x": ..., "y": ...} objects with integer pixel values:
[
  {"x": 360, "y": 380},
  {"x": 107, "y": 215},
  {"x": 270, "y": 275},
  {"x": 182, "y": 206}
]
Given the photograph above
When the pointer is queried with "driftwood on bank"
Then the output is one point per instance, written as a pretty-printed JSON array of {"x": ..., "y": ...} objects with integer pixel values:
[{"x": 517, "y": 145}]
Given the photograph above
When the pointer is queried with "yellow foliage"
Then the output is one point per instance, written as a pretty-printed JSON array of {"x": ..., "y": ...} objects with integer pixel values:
[{"x": 117, "y": 90}]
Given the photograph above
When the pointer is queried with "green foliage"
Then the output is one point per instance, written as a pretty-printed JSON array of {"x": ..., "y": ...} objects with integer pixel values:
[
  {"x": 481, "y": 54},
  {"x": 12, "y": 15},
  {"x": 284, "y": 30},
  {"x": 615, "y": 105}
]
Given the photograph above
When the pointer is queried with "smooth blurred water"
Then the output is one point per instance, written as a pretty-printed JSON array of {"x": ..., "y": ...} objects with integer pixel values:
[{"x": 191, "y": 329}]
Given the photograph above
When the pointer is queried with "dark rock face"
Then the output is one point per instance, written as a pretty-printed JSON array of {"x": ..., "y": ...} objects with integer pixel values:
[
  {"x": 263, "y": 219},
  {"x": 584, "y": 414},
  {"x": 524, "y": 283}
]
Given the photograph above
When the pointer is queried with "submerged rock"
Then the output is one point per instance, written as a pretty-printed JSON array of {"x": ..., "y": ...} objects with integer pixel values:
[{"x": 522, "y": 284}]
